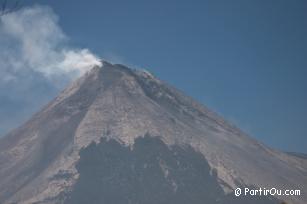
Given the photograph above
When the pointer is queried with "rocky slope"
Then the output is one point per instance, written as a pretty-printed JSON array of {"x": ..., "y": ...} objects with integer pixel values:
[{"x": 38, "y": 161}]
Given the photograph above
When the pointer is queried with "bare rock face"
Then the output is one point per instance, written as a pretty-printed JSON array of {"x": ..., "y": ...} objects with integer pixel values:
[{"x": 38, "y": 161}]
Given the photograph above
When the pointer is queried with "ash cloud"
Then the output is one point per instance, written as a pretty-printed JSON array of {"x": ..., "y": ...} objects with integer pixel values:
[
  {"x": 36, "y": 62},
  {"x": 34, "y": 40}
]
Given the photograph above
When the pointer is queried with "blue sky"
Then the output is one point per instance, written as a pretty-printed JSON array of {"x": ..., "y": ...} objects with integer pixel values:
[{"x": 245, "y": 59}]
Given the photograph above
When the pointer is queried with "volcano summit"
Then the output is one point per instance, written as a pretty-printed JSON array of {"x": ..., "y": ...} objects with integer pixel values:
[{"x": 120, "y": 136}]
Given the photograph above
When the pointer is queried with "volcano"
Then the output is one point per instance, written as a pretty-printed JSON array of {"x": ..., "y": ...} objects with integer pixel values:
[{"x": 118, "y": 135}]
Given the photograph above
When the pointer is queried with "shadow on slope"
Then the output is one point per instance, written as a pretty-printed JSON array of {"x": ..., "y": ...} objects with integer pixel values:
[{"x": 148, "y": 173}]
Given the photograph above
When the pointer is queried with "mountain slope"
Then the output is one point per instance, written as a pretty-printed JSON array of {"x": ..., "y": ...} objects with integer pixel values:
[
  {"x": 149, "y": 172},
  {"x": 38, "y": 160}
]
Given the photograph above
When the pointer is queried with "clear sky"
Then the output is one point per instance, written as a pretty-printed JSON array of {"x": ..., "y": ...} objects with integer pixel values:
[{"x": 245, "y": 59}]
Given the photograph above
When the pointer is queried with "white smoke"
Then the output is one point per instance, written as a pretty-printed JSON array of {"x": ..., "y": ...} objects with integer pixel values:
[
  {"x": 32, "y": 39},
  {"x": 36, "y": 62}
]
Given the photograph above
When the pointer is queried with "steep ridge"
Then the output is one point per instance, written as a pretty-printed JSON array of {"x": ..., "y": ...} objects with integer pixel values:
[
  {"x": 150, "y": 172},
  {"x": 38, "y": 160}
]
